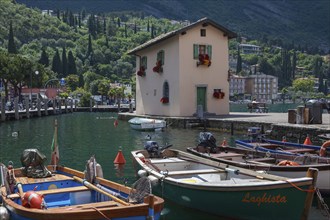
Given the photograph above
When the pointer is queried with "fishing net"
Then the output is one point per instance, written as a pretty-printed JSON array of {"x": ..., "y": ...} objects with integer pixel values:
[
  {"x": 140, "y": 189},
  {"x": 33, "y": 164}
]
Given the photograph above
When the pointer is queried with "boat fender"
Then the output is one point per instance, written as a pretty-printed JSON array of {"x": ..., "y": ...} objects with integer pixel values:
[
  {"x": 142, "y": 173},
  {"x": 99, "y": 171},
  {"x": 153, "y": 180},
  {"x": 323, "y": 150},
  {"x": 33, "y": 200},
  {"x": 4, "y": 214},
  {"x": 288, "y": 163}
]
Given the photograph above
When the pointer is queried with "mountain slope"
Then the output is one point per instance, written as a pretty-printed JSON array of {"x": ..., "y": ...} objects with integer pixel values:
[{"x": 300, "y": 21}]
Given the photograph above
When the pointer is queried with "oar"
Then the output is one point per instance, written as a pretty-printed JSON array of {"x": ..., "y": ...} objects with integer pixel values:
[{"x": 91, "y": 186}]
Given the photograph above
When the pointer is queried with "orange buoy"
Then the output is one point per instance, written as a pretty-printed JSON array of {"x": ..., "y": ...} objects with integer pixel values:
[
  {"x": 323, "y": 150},
  {"x": 115, "y": 123},
  {"x": 224, "y": 142},
  {"x": 33, "y": 200},
  {"x": 288, "y": 163},
  {"x": 307, "y": 141},
  {"x": 283, "y": 139},
  {"x": 119, "y": 158}
]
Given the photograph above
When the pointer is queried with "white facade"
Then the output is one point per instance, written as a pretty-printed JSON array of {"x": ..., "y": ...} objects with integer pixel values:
[
  {"x": 184, "y": 83},
  {"x": 236, "y": 85},
  {"x": 262, "y": 87}
]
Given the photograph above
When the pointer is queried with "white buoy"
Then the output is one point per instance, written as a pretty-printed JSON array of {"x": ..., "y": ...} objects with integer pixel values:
[
  {"x": 14, "y": 134},
  {"x": 142, "y": 173},
  {"x": 153, "y": 180},
  {"x": 4, "y": 214}
]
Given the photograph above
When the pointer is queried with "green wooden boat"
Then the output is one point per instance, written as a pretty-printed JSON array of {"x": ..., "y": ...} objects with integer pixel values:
[{"x": 225, "y": 190}]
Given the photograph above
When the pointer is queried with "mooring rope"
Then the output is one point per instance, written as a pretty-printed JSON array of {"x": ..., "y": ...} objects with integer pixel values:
[{"x": 303, "y": 190}]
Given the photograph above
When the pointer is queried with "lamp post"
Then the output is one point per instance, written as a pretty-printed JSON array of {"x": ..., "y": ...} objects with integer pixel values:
[{"x": 36, "y": 72}]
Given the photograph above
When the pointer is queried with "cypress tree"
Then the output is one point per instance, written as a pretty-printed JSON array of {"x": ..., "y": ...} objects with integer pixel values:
[
  {"x": 239, "y": 61},
  {"x": 72, "y": 68},
  {"x": 148, "y": 26},
  {"x": 11, "y": 41},
  {"x": 90, "y": 48},
  {"x": 118, "y": 22},
  {"x": 104, "y": 25},
  {"x": 125, "y": 30},
  {"x": 152, "y": 31},
  {"x": 44, "y": 60},
  {"x": 64, "y": 63},
  {"x": 294, "y": 64},
  {"x": 135, "y": 29},
  {"x": 57, "y": 65}
]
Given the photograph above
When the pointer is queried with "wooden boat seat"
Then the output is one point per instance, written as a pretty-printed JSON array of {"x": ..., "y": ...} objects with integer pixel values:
[
  {"x": 225, "y": 155},
  {"x": 264, "y": 159},
  {"x": 98, "y": 205},
  {"x": 187, "y": 172},
  {"x": 55, "y": 191},
  {"x": 301, "y": 150}
]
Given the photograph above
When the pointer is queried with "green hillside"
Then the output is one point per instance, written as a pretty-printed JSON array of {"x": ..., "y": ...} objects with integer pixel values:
[{"x": 303, "y": 22}]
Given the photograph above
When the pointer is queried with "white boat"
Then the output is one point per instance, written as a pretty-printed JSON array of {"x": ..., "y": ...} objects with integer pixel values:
[{"x": 147, "y": 123}]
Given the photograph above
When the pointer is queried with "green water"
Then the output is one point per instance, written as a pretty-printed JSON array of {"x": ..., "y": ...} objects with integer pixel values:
[{"x": 81, "y": 135}]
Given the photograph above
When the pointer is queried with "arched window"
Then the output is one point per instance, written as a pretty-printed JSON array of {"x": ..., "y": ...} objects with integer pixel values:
[{"x": 166, "y": 93}]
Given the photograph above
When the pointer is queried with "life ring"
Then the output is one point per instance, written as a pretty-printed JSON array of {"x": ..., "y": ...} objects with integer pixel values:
[
  {"x": 288, "y": 163},
  {"x": 323, "y": 150},
  {"x": 33, "y": 200}
]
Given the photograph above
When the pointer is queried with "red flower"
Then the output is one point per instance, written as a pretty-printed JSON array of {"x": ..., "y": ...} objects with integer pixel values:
[
  {"x": 164, "y": 100},
  {"x": 218, "y": 95},
  {"x": 141, "y": 72},
  {"x": 158, "y": 68},
  {"x": 204, "y": 59}
]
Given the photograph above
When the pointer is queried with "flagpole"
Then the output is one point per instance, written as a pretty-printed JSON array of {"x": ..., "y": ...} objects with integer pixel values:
[{"x": 55, "y": 140}]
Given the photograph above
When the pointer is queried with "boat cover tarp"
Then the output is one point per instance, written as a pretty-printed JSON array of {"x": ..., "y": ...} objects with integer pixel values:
[{"x": 33, "y": 164}]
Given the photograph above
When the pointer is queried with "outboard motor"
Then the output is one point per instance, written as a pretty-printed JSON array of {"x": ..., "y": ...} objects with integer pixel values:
[
  {"x": 33, "y": 164},
  {"x": 207, "y": 140},
  {"x": 254, "y": 133},
  {"x": 153, "y": 148}
]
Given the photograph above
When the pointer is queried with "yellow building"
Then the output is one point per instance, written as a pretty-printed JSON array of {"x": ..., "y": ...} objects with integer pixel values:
[{"x": 183, "y": 71}]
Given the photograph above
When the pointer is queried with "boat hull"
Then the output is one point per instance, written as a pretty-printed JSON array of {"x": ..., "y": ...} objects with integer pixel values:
[
  {"x": 323, "y": 183},
  {"x": 240, "y": 204},
  {"x": 66, "y": 198},
  {"x": 146, "y": 124},
  {"x": 225, "y": 190}
]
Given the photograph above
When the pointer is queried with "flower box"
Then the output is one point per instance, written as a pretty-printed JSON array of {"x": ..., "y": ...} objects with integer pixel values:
[
  {"x": 218, "y": 95},
  {"x": 158, "y": 68},
  {"x": 141, "y": 71},
  {"x": 204, "y": 59},
  {"x": 164, "y": 100}
]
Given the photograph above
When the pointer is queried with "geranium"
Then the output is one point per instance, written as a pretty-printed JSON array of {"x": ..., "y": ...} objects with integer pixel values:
[
  {"x": 141, "y": 72},
  {"x": 158, "y": 68},
  {"x": 164, "y": 100},
  {"x": 218, "y": 95},
  {"x": 204, "y": 59}
]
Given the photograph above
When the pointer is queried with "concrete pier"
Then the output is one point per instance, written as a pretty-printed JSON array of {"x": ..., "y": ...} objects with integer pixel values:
[{"x": 274, "y": 124}]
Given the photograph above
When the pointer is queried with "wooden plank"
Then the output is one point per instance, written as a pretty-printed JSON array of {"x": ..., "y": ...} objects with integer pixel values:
[
  {"x": 55, "y": 191},
  {"x": 300, "y": 150},
  {"x": 98, "y": 205},
  {"x": 187, "y": 172},
  {"x": 264, "y": 159}
]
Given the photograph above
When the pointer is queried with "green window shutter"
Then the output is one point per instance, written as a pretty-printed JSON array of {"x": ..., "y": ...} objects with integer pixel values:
[
  {"x": 163, "y": 57},
  {"x": 209, "y": 51},
  {"x": 196, "y": 51},
  {"x": 144, "y": 62}
]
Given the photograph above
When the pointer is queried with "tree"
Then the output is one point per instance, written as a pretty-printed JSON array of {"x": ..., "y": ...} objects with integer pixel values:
[
  {"x": 64, "y": 63},
  {"x": 44, "y": 60},
  {"x": 72, "y": 68},
  {"x": 57, "y": 65},
  {"x": 239, "y": 61},
  {"x": 72, "y": 82},
  {"x": 303, "y": 84},
  {"x": 11, "y": 42}
]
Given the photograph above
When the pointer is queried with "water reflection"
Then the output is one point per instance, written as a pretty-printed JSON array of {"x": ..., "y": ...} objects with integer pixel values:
[{"x": 81, "y": 135}]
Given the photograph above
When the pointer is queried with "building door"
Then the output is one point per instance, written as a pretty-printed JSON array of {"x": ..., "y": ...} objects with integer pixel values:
[{"x": 201, "y": 97}]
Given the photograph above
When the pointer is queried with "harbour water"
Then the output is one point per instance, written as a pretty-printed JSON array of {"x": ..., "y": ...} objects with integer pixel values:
[{"x": 81, "y": 135}]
